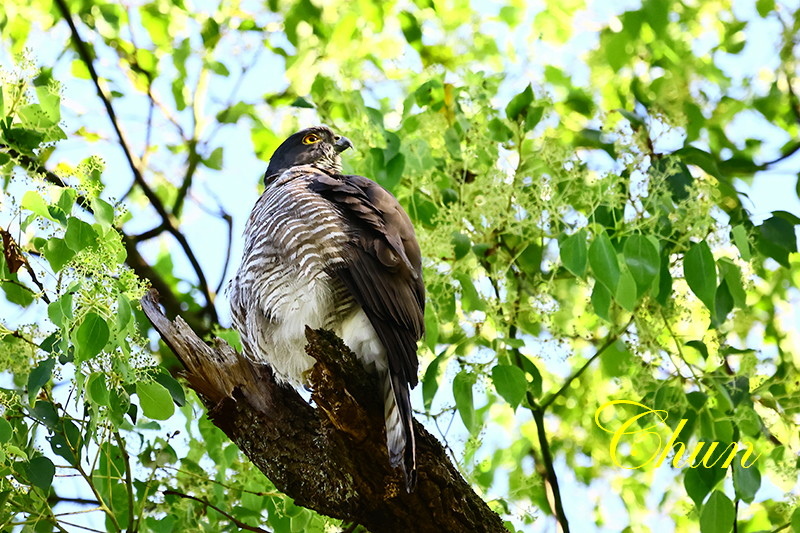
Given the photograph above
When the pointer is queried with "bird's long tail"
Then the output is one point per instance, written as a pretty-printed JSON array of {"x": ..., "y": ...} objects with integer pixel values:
[{"x": 399, "y": 428}]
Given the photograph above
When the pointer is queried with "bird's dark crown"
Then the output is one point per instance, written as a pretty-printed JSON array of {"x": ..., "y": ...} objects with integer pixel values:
[{"x": 318, "y": 146}]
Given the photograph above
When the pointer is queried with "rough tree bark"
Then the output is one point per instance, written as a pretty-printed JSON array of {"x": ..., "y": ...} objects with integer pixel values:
[{"x": 331, "y": 458}]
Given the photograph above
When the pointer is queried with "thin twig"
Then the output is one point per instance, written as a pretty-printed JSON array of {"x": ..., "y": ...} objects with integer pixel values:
[
  {"x": 221, "y": 214},
  {"x": 781, "y": 528},
  {"x": 82, "y": 511},
  {"x": 149, "y": 234},
  {"x": 679, "y": 348},
  {"x": 547, "y": 458},
  {"x": 194, "y": 161},
  {"x": 16, "y": 334},
  {"x": 238, "y": 523},
  {"x": 56, "y": 499},
  {"x": 611, "y": 340},
  {"x": 128, "y": 480},
  {"x": 82, "y": 527},
  {"x": 209, "y": 480}
]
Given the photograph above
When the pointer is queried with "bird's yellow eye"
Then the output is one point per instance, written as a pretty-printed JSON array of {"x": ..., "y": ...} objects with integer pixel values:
[{"x": 311, "y": 138}]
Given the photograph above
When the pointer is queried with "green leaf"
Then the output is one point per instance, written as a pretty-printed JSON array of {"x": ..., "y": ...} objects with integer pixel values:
[
  {"x": 700, "y": 272},
  {"x": 718, "y": 514},
  {"x": 452, "y": 141},
  {"x": 45, "y": 412},
  {"x": 700, "y": 346},
  {"x": 573, "y": 253},
  {"x": 60, "y": 311},
  {"x": 462, "y": 393},
  {"x": 6, "y": 431},
  {"x": 103, "y": 211},
  {"x": 27, "y": 140},
  {"x": 32, "y": 201},
  {"x": 529, "y": 260},
  {"x": 695, "y": 156},
  {"x": 155, "y": 400},
  {"x": 41, "y": 471},
  {"x": 39, "y": 376},
  {"x": 777, "y": 239},
  {"x": 603, "y": 260},
  {"x": 430, "y": 381},
  {"x": 232, "y": 114},
  {"x": 461, "y": 244},
  {"x": 470, "y": 298},
  {"x": 643, "y": 261},
  {"x": 431, "y": 326},
  {"x": 49, "y": 103},
  {"x": 66, "y": 200},
  {"x": 518, "y": 106},
  {"x": 119, "y": 402},
  {"x": 79, "y": 70},
  {"x": 219, "y": 68},
  {"x": 91, "y": 337},
  {"x": 124, "y": 312},
  {"x": 173, "y": 386},
  {"x": 746, "y": 480},
  {"x": 214, "y": 161},
  {"x": 732, "y": 275},
  {"x": 616, "y": 360},
  {"x": 723, "y": 304},
  {"x": 79, "y": 234},
  {"x": 765, "y": 7},
  {"x": 739, "y": 235},
  {"x": 601, "y": 301},
  {"x": 394, "y": 171},
  {"x": 664, "y": 281},
  {"x": 410, "y": 27},
  {"x": 97, "y": 389},
  {"x": 795, "y": 521},
  {"x": 302, "y": 103},
  {"x": 34, "y": 116},
  {"x": 510, "y": 383},
  {"x": 499, "y": 131},
  {"x": 626, "y": 291},
  {"x": 68, "y": 442},
  {"x": 58, "y": 253}
]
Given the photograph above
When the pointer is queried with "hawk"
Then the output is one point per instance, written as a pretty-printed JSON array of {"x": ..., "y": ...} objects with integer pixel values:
[{"x": 333, "y": 251}]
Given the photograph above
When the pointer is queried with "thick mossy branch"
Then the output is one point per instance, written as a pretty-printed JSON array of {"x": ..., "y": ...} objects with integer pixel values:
[{"x": 331, "y": 459}]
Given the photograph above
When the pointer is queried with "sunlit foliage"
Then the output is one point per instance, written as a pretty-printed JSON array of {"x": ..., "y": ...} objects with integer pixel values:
[{"x": 574, "y": 175}]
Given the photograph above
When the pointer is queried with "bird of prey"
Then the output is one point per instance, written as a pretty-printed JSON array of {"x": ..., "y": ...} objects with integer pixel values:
[{"x": 333, "y": 251}]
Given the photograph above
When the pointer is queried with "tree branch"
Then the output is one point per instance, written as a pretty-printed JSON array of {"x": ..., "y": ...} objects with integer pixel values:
[
  {"x": 611, "y": 340},
  {"x": 55, "y": 499},
  {"x": 133, "y": 162},
  {"x": 331, "y": 458},
  {"x": 551, "y": 478}
]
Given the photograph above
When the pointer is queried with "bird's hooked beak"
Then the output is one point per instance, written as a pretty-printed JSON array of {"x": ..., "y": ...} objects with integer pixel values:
[{"x": 342, "y": 144}]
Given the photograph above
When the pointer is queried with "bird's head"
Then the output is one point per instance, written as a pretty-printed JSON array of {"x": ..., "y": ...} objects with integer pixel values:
[{"x": 318, "y": 146}]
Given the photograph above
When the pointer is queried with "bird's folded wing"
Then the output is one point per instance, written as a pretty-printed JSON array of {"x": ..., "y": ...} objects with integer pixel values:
[{"x": 382, "y": 269}]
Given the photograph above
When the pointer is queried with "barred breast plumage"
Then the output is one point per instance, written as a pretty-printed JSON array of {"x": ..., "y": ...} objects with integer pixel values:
[{"x": 292, "y": 238}]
